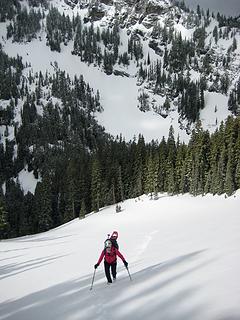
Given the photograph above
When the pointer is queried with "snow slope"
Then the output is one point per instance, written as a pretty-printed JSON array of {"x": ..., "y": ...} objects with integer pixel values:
[
  {"x": 183, "y": 255},
  {"x": 119, "y": 95}
]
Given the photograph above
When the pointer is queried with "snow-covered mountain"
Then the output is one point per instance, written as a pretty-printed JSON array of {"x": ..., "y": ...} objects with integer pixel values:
[
  {"x": 183, "y": 255},
  {"x": 93, "y": 95},
  {"x": 152, "y": 26}
]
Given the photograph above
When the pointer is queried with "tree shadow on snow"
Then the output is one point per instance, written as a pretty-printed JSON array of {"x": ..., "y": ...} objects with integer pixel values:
[
  {"x": 163, "y": 291},
  {"x": 37, "y": 238},
  {"x": 166, "y": 306},
  {"x": 37, "y": 246},
  {"x": 14, "y": 268},
  {"x": 9, "y": 258},
  {"x": 58, "y": 302}
]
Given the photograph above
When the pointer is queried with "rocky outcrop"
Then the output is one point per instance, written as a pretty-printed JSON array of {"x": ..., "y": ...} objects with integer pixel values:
[
  {"x": 130, "y": 12},
  {"x": 96, "y": 13},
  {"x": 153, "y": 44},
  {"x": 71, "y": 3}
]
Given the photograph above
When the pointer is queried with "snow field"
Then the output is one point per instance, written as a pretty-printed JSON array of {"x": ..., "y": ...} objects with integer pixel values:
[{"x": 183, "y": 255}]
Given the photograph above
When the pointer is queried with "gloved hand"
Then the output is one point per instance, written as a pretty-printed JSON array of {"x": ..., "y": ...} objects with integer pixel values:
[
  {"x": 96, "y": 265},
  {"x": 125, "y": 263}
]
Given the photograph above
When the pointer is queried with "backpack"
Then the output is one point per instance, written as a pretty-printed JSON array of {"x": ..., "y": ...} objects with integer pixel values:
[{"x": 111, "y": 239}]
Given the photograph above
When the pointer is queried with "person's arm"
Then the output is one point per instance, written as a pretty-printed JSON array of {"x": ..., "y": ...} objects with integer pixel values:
[
  {"x": 120, "y": 255},
  {"x": 101, "y": 257}
]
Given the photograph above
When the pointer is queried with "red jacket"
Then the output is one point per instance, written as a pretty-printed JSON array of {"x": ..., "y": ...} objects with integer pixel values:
[{"x": 110, "y": 257}]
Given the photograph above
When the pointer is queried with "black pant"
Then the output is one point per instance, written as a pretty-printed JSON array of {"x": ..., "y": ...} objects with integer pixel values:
[{"x": 113, "y": 267}]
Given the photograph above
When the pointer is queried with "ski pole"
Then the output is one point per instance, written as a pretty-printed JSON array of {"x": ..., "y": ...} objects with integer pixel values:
[
  {"x": 93, "y": 279},
  {"x": 129, "y": 273}
]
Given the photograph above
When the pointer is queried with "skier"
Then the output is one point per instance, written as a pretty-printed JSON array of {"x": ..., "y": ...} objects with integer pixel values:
[{"x": 110, "y": 254}]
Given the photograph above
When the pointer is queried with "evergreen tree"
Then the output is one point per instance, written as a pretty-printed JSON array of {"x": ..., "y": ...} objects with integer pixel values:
[
  {"x": 229, "y": 185},
  {"x": 215, "y": 34},
  {"x": 179, "y": 167},
  {"x": 237, "y": 174},
  {"x": 72, "y": 191},
  {"x": 234, "y": 45},
  {"x": 82, "y": 212},
  {"x": 120, "y": 188},
  {"x": 14, "y": 207},
  {"x": 171, "y": 158},
  {"x": 43, "y": 204},
  {"x": 200, "y": 164},
  {"x": 183, "y": 185},
  {"x": 29, "y": 221},
  {"x": 138, "y": 161},
  {"x": 162, "y": 172},
  {"x": 96, "y": 183},
  {"x": 199, "y": 36},
  {"x": 152, "y": 174},
  {"x": 4, "y": 225}
]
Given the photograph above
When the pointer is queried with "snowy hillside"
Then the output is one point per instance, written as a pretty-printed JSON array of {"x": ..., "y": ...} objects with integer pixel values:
[
  {"x": 120, "y": 94},
  {"x": 183, "y": 254}
]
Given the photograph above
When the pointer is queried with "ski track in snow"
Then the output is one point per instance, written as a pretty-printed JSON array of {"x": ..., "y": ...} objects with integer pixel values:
[{"x": 145, "y": 243}]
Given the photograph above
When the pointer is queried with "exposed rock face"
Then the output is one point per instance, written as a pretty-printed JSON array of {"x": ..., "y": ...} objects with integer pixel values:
[
  {"x": 71, "y": 3},
  {"x": 147, "y": 12},
  {"x": 155, "y": 46},
  {"x": 121, "y": 73},
  {"x": 128, "y": 12},
  {"x": 96, "y": 13},
  {"x": 157, "y": 7}
]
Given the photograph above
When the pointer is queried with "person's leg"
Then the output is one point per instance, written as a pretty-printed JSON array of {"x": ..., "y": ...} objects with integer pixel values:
[
  {"x": 114, "y": 269},
  {"x": 107, "y": 271}
]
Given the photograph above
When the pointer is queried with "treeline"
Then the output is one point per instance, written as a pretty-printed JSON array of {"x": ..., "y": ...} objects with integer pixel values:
[{"x": 76, "y": 180}]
